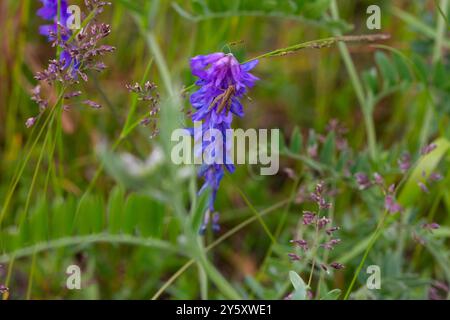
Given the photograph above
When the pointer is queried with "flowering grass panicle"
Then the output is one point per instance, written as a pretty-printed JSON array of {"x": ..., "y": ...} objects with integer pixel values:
[
  {"x": 80, "y": 54},
  {"x": 223, "y": 81},
  {"x": 148, "y": 94},
  {"x": 323, "y": 232}
]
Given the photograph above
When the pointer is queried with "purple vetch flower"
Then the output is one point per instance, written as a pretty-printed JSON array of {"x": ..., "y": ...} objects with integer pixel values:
[
  {"x": 223, "y": 81},
  {"x": 49, "y": 12}
]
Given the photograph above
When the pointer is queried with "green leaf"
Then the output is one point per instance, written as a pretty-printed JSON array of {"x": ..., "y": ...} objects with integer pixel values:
[
  {"x": 332, "y": 295},
  {"x": 296, "y": 141},
  {"x": 131, "y": 5},
  {"x": 199, "y": 212},
  {"x": 135, "y": 203},
  {"x": 62, "y": 217},
  {"x": 402, "y": 68},
  {"x": 421, "y": 68},
  {"x": 39, "y": 221},
  {"x": 300, "y": 288},
  {"x": 327, "y": 152},
  {"x": 386, "y": 68},
  {"x": 116, "y": 205},
  {"x": 90, "y": 215},
  {"x": 370, "y": 79},
  {"x": 440, "y": 76},
  {"x": 151, "y": 218},
  {"x": 428, "y": 163}
]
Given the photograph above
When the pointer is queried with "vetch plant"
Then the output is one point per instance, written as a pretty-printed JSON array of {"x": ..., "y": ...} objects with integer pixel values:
[{"x": 223, "y": 81}]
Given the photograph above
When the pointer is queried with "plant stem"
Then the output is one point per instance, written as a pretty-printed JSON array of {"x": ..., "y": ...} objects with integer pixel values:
[
  {"x": 314, "y": 254},
  {"x": 89, "y": 239},
  {"x": 366, "y": 107},
  {"x": 374, "y": 238},
  {"x": 216, "y": 243},
  {"x": 437, "y": 56},
  {"x": 25, "y": 161},
  {"x": 279, "y": 228}
]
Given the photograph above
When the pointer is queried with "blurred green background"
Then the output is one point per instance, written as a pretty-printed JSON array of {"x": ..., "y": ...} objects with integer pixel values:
[{"x": 109, "y": 200}]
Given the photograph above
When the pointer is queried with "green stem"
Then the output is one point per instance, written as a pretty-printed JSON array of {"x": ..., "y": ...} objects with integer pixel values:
[
  {"x": 314, "y": 255},
  {"x": 30, "y": 278},
  {"x": 437, "y": 56},
  {"x": 86, "y": 240},
  {"x": 25, "y": 162},
  {"x": 314, "y": 44},
  {"x": 366, "y": 107},
  {"x": 279, "y": 228},
  {"x": 257, "y": 215},
  {"x": 373, "y": 239},
  {"x": 216, "y": 243}
]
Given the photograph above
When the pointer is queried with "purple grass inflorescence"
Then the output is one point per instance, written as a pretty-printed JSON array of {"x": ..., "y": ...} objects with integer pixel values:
[
  {"x": 80, "y": 52},
  {"x": 223, "y": 81}
]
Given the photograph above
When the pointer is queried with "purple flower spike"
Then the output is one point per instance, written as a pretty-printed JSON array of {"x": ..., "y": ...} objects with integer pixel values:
[{"x": 223, "y": 81}]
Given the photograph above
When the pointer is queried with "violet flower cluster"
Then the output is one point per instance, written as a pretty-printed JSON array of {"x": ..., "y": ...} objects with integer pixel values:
[
  {"x": 223, "y": 81},
  {"x": 80, "y": 52}
]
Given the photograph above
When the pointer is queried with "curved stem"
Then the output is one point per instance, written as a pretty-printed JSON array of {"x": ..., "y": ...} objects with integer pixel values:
[
  {"x": 374, "y": 238},
  {"x": 216, "y": 243},
  {"x": 89, "y": 239},
  {"x": 366, "y": 107}
]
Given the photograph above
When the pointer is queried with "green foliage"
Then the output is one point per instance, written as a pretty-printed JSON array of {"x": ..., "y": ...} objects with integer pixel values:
[
  {"x": 91, "y": 188},
  {"x": 300, "y": 287}
]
